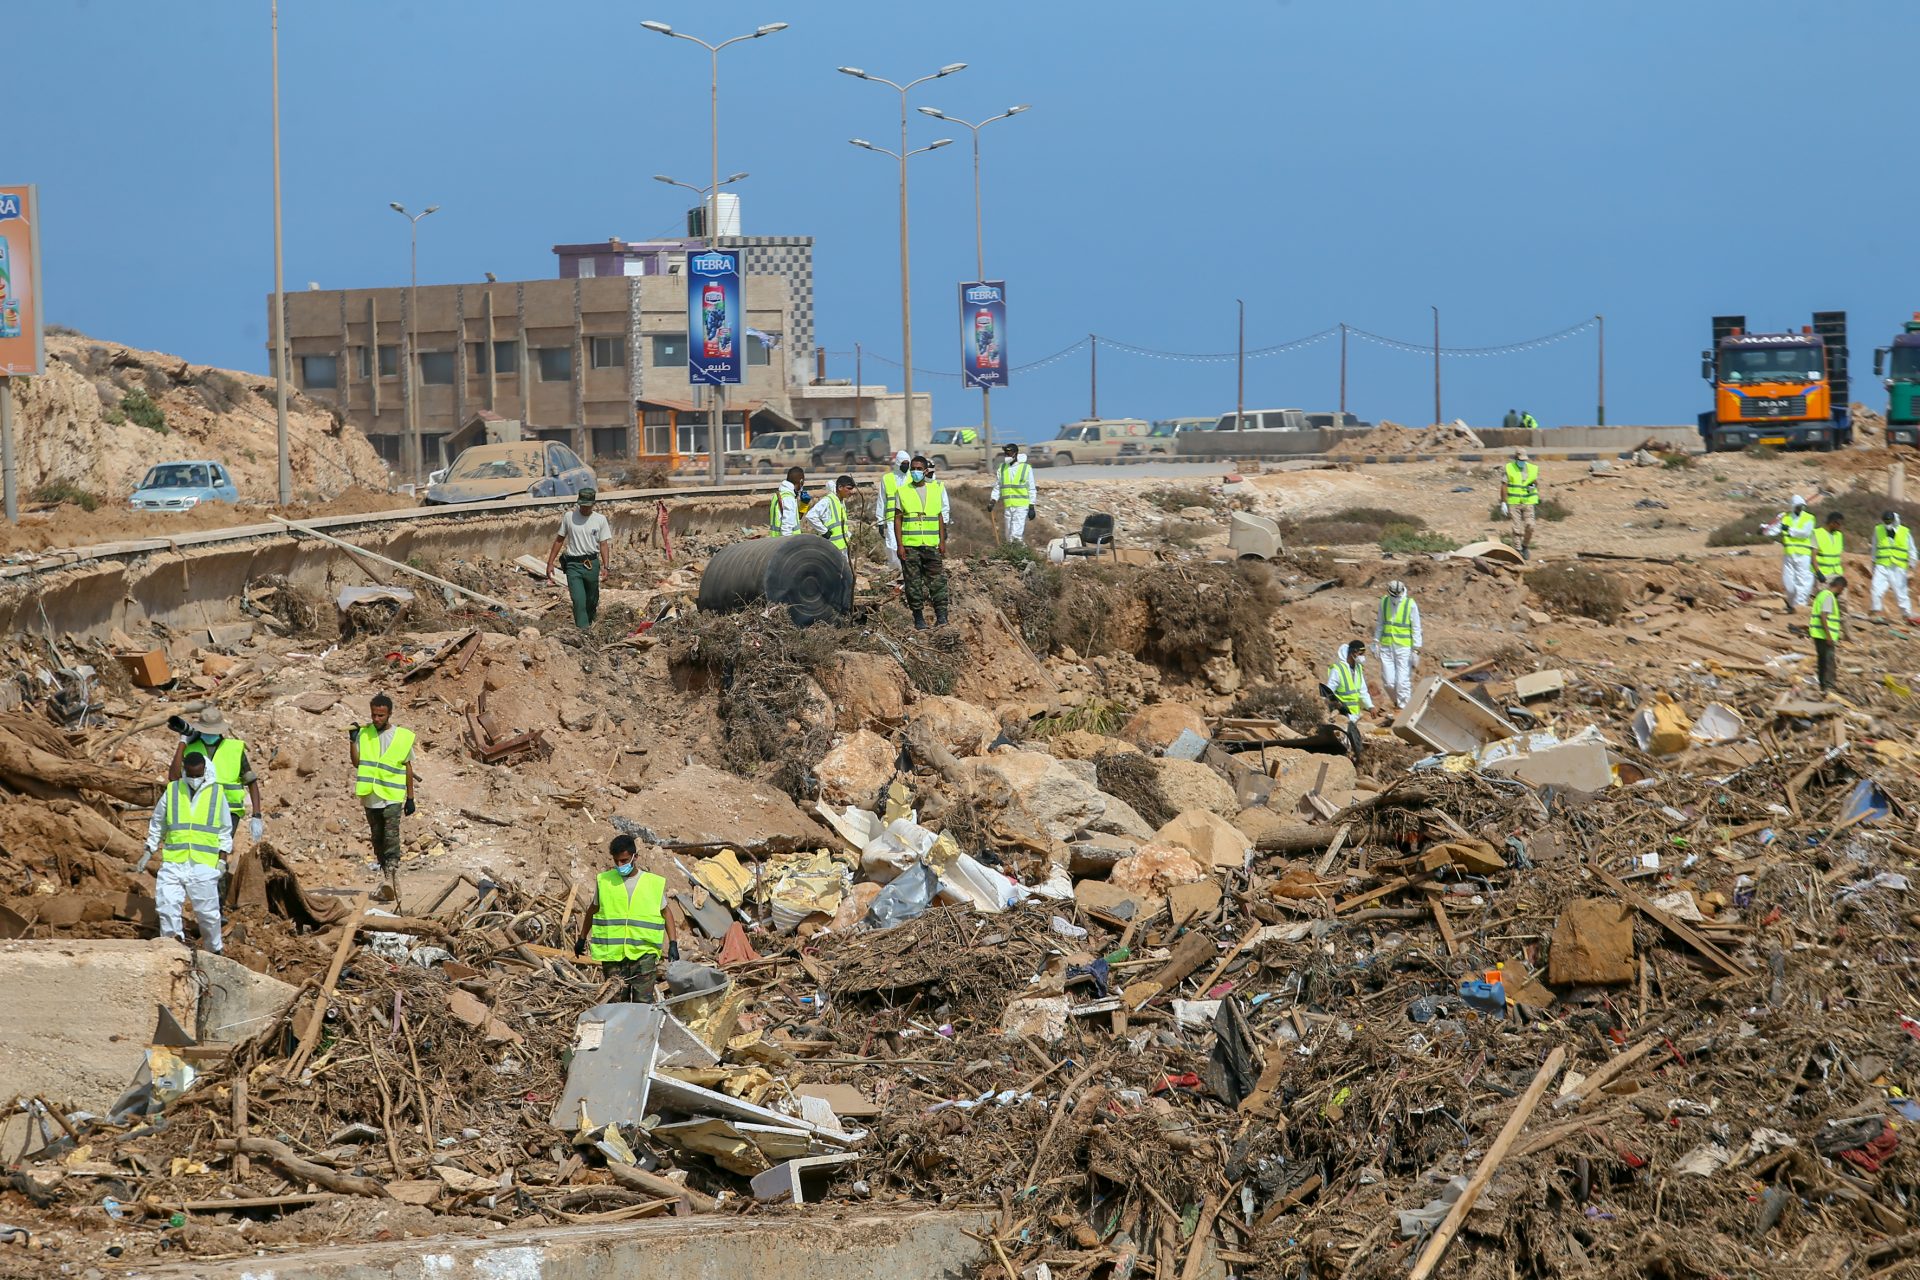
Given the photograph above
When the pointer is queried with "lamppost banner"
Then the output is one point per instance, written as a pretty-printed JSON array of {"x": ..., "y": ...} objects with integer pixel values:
[
  {"x": 983, "y": 333},
  {"x": 23, "y": 352},
  {"x": 715, "y": 318}
]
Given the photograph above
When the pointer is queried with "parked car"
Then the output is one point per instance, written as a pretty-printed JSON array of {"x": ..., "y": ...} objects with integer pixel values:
[
  {"x": 848, "y": 447},
  {"x": 1265, "y": 420},
  {"x": 537, "y": 468},
  {"x": 1161, "y": 438},
  {"x": 182, "y": 486},
  {"x": 1092, "y": 440},
  {"x": 1347, "y": 421},
  {"x": 773, "y": 451},
  {"x": 950, "y": 449}
]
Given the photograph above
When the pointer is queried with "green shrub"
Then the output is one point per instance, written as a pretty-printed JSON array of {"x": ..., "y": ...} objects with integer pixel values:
[
  {"x": 1575, "y": 588},
  {"x": 1549, "y": 509},
  {"x": 1404, "y": 539},
  {"x": 138, "y": 406},
  {"x": 1174, "y": 499},
  {"x": 1349, "y": 527},
  {"x": 1014, "y": 553},
  {"x": 61, "y": 491},
  {"x": 1677, "y": 461},
  {"x": 1860, "y": 509}
]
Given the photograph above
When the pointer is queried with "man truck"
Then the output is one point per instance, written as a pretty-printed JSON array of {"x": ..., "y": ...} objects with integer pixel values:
[
  {"x": 1782, "y": 389},
  {"x": 1900, "y": 363}
]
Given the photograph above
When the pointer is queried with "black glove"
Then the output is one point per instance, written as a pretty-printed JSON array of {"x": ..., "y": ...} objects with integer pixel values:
[
  {"x": 579, "y": 946},
  {"x": 353, "y": 733},
  {"x": 407, "y": 808},
  {"x": 673, "y": 951}
]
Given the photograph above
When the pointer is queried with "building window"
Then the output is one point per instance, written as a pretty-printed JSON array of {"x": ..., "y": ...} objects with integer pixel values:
[
  {"x": 659, "y": 431},
  {"x": 556, "y": 363},
  {"x": 609, "y": 442},
  {"x": 586, "y": 268},
  {"x": 389, "y": 361},
  {"x": 436, "y": 368},
  {"x": 669, "y": 350},
  {"x": 477, "y": 359},
  {"x": 609, "y": 353},
  {"x": 836, "y": 424},
  {"x": 758, "y": 352},
  {"x": 319, "y": 371},
  {"x": 362, "y": 363},
  {"x": 506, "y": 357}
]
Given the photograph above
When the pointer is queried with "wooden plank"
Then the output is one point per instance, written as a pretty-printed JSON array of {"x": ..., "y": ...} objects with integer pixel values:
[
  {"x": 311, "y": 1036},
  {"x": 1583, "y": 1095},
  {"x": 1678, "y": 928},
  {"x": 1333, "y": 850},
  {"x": 1189, "y": 954}
]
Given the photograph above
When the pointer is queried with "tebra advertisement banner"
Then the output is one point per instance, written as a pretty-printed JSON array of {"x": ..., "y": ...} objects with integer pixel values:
[
  {"x": 715, "y": 318},
  {"x": 23, "y": 352},
  {"x": 983, "y": 333}
]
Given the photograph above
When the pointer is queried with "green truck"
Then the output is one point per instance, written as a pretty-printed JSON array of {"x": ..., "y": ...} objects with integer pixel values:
[{"x": 1900, "y": 365}]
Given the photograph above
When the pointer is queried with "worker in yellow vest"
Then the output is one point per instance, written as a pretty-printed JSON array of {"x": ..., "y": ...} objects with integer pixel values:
[
  {"x": 920, "y": 518},
  {"x": 1345, "y": 689},
  {"x": 1892, "y": 559},
  {"x": 1520, "y": 498},
  {"x": 629, "y": 927},
  {"x": 192, "y": 830},
  {"x": 891, "y": 482},
  {"x": 382, "y": 755},
  {"x": 1795, "y": 529},
  {"x": 1396, "y": 633},
  {"x": 828, "y": 517},
  {"x": 205, "y": 731},
  {"x": 1829, "y": 546},
  {"x": 1826, "y": 628},
  {"x": 783, "y": 509},
  {"x": 1014, "y": 490}
]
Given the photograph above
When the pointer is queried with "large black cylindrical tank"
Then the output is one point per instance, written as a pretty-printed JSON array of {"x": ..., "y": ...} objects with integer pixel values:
[{"x": 805, "y": 572}]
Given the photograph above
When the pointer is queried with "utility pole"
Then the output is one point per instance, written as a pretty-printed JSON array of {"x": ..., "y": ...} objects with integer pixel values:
[
  {"x": 1437, "y": 419},
  {"x": 1093, "y": 377},
  {"x": 857, "y": 380},
  {"x": 1343, "y": 371},
  {"x": 279, "y": 287},
  {"x": 1240, "y": 366},
  {"x": 1601, "y": 415}
]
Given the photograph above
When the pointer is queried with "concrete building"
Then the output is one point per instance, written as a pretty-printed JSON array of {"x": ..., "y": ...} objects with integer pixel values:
[{"x": 821, "y": 406}]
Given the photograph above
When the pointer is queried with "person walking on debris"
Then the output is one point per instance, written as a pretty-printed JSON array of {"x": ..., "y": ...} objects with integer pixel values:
[
  {"x": 783, "y": 509},
  {"x": 920, "y": 518},
  {"x": 192, "y": 829},
  {"x": 1829, "y": 548},
  {"x": 828, "y": 517},
  {"x": 581, "y": 547},
  {"x": 1520, "y": 498},
  {"x": 1397, "y": 634},
  {"x": 382, "y": 755},
  {"x": 1346, "y": 689},
  {"x": 1826, "y": 627},
  {"x": 1795, "y": 529},
  {"x": 891, "y": 482},
  {"x": 1892, "y": 558},
  {"x": 1014, "y": 490},
  {"x": 208, "y": 734},
  {"x": 629, "y": 926}
]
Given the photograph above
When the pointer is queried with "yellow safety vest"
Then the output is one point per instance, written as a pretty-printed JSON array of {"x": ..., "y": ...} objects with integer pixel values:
[
  {"x": 383, "y": 775},
  {"x": 920, "y": 508},
  {"x": 1896, "y": 551},
  {"x": 890, "y": 485},
  {"x": 1796, "y": 534},
  {"x": 225, "y": 760},
  {"x": 969, "y": 436},
  {"x": 630, "y": 922},
  {"x": 1824, "y": 623},
  {"x": 190, "y": 834},
  {"x": 773, "y": 515},
  {"x": 1396, "y": 621},
  {"x": 1347, "y": 682},
  {"x": 836, "y": 521},
  {"x": 1016, "y": 484},
  {"x": 1523, "y": 485},
  {"x": 1827, "y": 546}
]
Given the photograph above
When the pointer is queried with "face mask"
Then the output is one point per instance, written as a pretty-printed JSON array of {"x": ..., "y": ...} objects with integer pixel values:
[
  {"x": 919, "y": 476},
  {"x": 625, "y": 869},
  {"x": 194, "y": 780},
  {"x": 211, "y": 739}
]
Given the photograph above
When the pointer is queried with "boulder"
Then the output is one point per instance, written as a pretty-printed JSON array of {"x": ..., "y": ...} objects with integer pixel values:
[
  {"x": 701, "y": 806},
  {"x": 1059, "y": 802},
  {"x": 960, "y": 727},
  {"x": 1295, "y": 773},
  {"x": 1189, "y": 784},
  {"x": 1154, "y": 869},
  {"x": 1095, "y": 854},
  {"x": 1211, "y": 839},
  {"x": 1121, "y": 819},
  {"x": 1085, "y": 744},
  {"x": 1592, "y": 944},
  {"x": 866, "y": 689},
  {"x": 1256, "y": 822},
  {"x": 856, "y": 770},
  {"x": 1155, "y": 727}
]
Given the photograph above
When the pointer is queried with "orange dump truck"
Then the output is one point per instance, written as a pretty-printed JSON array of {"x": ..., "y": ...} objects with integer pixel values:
[{"x": 1781, "y": 389}]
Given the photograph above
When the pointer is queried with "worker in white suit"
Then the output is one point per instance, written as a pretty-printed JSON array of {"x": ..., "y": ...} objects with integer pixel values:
[
  {"x": 192, "y": 830},
  {"x": 1396, "y": 634},
  {"x": 1892, "y": 560},
  {"x": 1795, "y": 529}
]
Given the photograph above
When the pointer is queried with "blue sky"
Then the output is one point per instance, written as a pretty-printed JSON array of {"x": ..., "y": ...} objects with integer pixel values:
[{"x": 1522, "y": 165}]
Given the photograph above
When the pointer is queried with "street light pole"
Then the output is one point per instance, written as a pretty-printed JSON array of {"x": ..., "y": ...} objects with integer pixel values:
[
  {"x": 1601, "y": 415},
  {"x": 411, "y": 457},
  {"x": 279, "y": 288},
  {"x": 716, "y": 452},
  {"x": 1436, "y": 367},
  {"x": 979, "y": 241},
  {"x": 1240, "y": 361},
  {"x": 906, "y": 279}
]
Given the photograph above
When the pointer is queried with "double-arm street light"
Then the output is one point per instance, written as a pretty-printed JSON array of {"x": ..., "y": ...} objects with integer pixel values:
[
  {"x": 906, "y": 286},
  {"x": 714, "y": 413},
  {"x": 412, "y": 357},
  {"x": 979, "y": 241}
]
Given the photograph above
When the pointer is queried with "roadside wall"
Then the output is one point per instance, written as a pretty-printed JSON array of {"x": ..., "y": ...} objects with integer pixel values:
[{"x": 1297, "y": 444}]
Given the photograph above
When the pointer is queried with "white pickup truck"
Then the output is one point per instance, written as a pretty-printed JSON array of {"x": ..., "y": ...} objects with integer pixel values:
[{"x": 1093, "y": 440}]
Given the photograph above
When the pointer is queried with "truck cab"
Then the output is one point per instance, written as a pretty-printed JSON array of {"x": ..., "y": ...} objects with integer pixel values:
[
  {"x": 1780, "y": 389},
  {"x": 1900, "y": 365}
]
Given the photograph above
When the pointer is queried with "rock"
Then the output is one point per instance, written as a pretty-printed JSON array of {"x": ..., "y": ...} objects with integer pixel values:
[
  {"x": 1212, "y": 840},
  {"x": 960, "y": 727},
  {"x": 316, "y": 702},
  {"x": 1154, "y": 869},
  {"x": 307, "y": 765},
  {"x": 1188, "y": 784},
  {"x": 1155, "y": 727},
  {"x": 1101, "y": 895},
  {"x": 866, "y": 689},
  {"x": 1096, "y": 854},
  {"x": 856, "y": 770},
  {"x": 1592, "y": 944},
  {"x": 1121, "y": 819},
  {"x": 1257, "y": 822},
  {"x": 703, "y": 806},
  {"x": 1085, "y": 770},
  {"x": 576, "y": 716},
  {"x": 1059, "y": 802},
  {"x": 1295, "y": 773},
  {"x": 1084, "y": 744}
]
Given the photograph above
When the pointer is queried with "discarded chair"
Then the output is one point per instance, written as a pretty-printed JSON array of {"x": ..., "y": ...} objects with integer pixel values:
[{"x": 1096, "y": 533}]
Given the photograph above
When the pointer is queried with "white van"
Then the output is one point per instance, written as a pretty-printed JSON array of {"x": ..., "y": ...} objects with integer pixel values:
[{"x": 1265, "y": 420}]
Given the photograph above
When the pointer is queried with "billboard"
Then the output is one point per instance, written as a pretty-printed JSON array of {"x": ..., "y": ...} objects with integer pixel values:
[
  {"x": 716, "y": 321},
  {"x": 23, "y": 351},
  {"x": 983, "y": 333}
]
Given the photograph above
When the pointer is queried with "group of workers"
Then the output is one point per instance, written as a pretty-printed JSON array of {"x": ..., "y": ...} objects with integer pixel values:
[
  {"x": 212, "y": 786},
  {"x": 1812, "y": 574}
]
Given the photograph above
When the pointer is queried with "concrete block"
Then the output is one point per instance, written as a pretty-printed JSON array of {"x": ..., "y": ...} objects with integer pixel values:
[
  {"x": 1570, "y": 766},
  {"x": 235, "y": 1002}
]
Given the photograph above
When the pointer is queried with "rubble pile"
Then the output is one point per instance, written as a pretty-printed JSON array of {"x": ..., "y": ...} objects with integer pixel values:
[{"x": 1392, "y": 438}]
